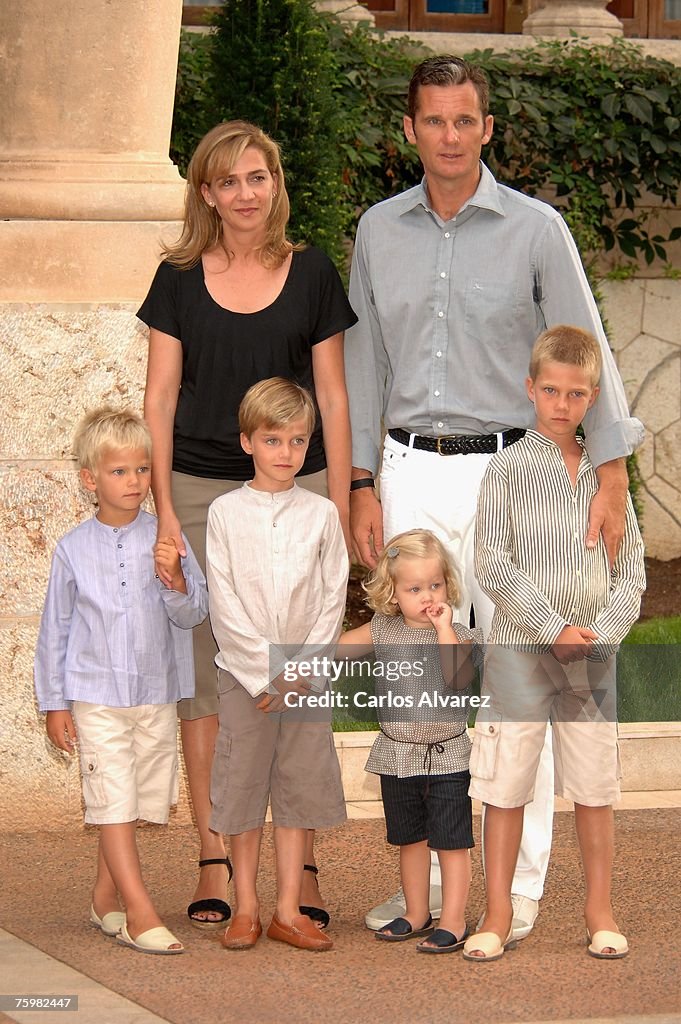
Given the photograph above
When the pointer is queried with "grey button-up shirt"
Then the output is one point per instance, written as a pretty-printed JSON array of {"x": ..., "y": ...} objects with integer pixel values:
[{"x": 449, "y": 312}]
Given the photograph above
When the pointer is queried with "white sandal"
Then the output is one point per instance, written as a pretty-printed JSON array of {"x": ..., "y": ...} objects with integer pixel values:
[
  {"x": 154, "y": 940},
  {"x": 607, "y": 940}
]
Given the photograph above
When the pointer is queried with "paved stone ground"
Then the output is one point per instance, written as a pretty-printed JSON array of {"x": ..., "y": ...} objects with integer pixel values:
[{"x": 46, "y": 879}]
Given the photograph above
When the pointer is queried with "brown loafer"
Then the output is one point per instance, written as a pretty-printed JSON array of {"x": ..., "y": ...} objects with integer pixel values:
[
  {"x": 243, "y": 933},
  {"x": 301, "y": 933}
]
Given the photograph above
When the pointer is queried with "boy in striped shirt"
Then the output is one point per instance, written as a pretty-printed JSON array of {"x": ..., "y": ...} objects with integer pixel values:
[{"x": 561, "y": 612}]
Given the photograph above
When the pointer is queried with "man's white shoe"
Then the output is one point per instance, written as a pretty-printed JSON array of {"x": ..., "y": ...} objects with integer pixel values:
[
  {"x": 396, "y": 905},
  {"x": 525, "y": 912}
]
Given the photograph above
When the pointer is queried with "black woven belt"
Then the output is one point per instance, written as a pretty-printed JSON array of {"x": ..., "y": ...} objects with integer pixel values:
[{"x": 458, "y": 444}]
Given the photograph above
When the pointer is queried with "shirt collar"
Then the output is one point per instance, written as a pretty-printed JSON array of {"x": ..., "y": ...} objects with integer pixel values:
[
  {"x": 270, "y": 498},
  {"x": 485, "y": 197},
  {"x": 534, "y": 437},
  {"x": 108, "y": 530}
]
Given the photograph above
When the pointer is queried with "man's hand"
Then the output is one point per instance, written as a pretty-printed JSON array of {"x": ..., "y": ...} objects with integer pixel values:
[
  {"x": 573, "y": 644},
  {"x": 366, "y": 526},
  {"x": 61, "y": 730},
  {"x": 608, "y": 508},
  {"x": 167, "y": 562},
  {"x": 275, "y": 702}
]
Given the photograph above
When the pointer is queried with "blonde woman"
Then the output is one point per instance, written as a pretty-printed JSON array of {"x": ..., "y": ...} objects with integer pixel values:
[{"x": 234, "y": 302}]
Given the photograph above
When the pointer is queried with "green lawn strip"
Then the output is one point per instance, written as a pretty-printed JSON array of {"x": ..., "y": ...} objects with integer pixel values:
[
  {"x": 649, "y": 672},
  {"x": 648, "y": 680}
]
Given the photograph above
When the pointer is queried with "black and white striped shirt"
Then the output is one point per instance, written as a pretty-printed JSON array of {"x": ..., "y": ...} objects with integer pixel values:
[{"x": 531, "y": 557}]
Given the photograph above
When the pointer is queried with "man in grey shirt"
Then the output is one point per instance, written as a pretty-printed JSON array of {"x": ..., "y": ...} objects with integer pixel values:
[{"x": 452, "y": 282}]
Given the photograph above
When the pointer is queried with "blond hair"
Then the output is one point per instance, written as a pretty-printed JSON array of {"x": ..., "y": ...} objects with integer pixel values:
[
  {"x": 215, "y": 156},
  {"x": 102, "y": 430},
  {"x": 380, "y": 584},
  {"x": 273, "y": 403},
  {"x": 565, "y": 343}
]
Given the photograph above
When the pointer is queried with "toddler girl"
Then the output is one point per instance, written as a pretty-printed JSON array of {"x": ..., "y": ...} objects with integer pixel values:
[{"x": 421, "y": 752}]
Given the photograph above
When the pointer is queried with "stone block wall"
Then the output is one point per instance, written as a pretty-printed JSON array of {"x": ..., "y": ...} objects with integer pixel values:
[
  {"x": 57, "y": 362},
  {"x": 644, "y": 318}
]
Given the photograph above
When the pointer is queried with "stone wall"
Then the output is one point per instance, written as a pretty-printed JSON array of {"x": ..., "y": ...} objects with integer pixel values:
[{"x": 644, "y": 317}]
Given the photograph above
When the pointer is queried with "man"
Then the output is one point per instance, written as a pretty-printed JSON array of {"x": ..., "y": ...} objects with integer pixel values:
[{"x": 452, "y": 282}]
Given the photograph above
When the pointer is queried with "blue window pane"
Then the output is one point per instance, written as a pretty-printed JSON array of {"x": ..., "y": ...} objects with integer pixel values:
[{"x": 457, "y": 6}]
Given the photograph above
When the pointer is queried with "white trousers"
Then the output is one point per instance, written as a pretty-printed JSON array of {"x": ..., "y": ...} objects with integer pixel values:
[{"x": 424, "y": 490}]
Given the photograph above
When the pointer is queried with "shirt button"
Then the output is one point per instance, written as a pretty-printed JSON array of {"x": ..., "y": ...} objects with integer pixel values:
[
  {"x": 119, "y": 545},
  {"x": 274, "y": 524},
  {"x": 123, "y": 583},
  {"x": 442, "y": 274},
  {"x": 491, "y": 728},
  {"x": 440, "y": 314},
  {"x": 440, "y": 425},
  {"x": 438, "y": 354},
  {"x": 121, "y": 565},
  {"x": 115, "y": 529},
  {"x": 436, "y": 393},
  {"x": 446, "y": 234}
]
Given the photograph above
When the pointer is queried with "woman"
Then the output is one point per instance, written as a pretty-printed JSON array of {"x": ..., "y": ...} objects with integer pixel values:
[{"x": 235, "y": 302}]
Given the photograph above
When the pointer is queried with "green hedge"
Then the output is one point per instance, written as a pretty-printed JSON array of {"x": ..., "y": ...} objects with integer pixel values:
[{"x": 594, "y": 125}]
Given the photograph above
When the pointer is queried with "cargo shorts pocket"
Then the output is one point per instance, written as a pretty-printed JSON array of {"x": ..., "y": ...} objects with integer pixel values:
[
  {"x": 220, "y": 773},
  {"x": 484, "y": 754},
  {"x": 92, "y": 780}
]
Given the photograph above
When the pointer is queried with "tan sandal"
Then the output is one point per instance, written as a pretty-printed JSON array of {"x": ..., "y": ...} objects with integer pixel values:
[{"x": 489, "y": 944}]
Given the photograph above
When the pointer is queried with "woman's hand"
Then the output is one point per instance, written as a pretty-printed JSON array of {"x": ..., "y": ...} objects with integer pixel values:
[
  {"x": 168, "y": 530},
  {"x": 167, "y": 560}
]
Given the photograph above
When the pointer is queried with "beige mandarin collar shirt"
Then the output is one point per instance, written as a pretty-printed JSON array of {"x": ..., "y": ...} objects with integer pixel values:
[{"x": 277, "y": 571}]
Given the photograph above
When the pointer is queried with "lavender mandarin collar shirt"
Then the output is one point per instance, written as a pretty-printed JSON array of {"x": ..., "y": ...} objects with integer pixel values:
[{"x": 110, "y": 632}]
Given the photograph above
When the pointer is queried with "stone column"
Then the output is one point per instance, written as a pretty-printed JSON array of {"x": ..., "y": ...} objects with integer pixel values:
[
  {"x": 86, "y": 191},
  {"x": 85, "y": 177},
  {"x": 563, "y": 17}
]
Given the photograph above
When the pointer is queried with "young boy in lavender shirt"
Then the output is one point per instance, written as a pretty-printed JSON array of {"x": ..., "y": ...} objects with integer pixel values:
[{"x": 114, "y": 655}]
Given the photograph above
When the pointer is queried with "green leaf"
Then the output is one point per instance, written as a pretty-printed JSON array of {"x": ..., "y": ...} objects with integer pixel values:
[
  {"x": 639, "y": 107},
  {"x": 611, "y": 104}
]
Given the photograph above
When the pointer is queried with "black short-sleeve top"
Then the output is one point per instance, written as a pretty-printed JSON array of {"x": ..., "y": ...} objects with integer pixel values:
[{"x": 224, "y": 353}]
